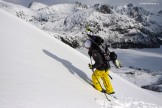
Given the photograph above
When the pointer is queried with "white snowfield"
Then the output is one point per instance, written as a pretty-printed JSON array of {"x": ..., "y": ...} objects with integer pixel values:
[{"x": 38, "y": 71}]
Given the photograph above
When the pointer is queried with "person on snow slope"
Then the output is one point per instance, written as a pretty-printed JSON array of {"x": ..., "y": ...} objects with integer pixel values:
[{"x": 101, "y": 67}]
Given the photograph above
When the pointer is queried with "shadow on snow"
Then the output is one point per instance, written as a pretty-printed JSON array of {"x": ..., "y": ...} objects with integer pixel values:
[{"x": 72, "y": 69}]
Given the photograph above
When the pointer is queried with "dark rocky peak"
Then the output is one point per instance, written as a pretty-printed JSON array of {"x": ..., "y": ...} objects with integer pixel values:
[
  {"x": 138, "y": 13},
  {"x": 105, "y": 9},
  {"x": 30, "y": 4},
  {"x": 137, "y": 10},
  {"x": 130, "y": 5},
  {"x": 160, "y": 12},
  {"x": 80, "y": 5},
  {"x": 36, "y": 5}
]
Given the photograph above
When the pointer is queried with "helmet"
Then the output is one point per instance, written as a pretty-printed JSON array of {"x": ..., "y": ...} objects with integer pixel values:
[{"x": 87, "y": 44}]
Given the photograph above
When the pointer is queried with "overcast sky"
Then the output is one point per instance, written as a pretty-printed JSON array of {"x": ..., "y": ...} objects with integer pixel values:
[{"x": 154, "y": 5}]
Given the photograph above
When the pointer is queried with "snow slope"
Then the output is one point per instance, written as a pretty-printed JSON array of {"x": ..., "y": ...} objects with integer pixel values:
[{"x": 38, "y": 71}]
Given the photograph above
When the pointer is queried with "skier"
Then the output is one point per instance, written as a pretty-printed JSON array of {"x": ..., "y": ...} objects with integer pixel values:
[{"x": 101, "y": 69}]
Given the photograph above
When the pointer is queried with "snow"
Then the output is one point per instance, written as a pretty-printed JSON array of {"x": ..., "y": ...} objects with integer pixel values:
[
  {"x": 147, "y": 58},
  {"x": 39, "y": 71},
  {"x": 59, "y": 8},
  {"x": 141, "y": 66},
  {"x": 150, "y": 58},
  {"x": 37, "y": 6},
  {"x": 70, "y": 20},
  {"x": 152, "y": 5}
]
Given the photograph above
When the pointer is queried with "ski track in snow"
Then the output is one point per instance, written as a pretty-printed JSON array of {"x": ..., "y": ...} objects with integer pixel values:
[{"x": 128, "y": 102}]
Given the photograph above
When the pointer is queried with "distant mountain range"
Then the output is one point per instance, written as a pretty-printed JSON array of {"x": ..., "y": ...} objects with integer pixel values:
[{"x": 123, "y": 27}]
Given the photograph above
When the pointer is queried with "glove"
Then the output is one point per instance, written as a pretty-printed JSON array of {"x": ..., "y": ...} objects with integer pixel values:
[
  {"x": 113, "y": 56},
  {"x": 91, "y": 66},
  {"x": 117, "y": 64},
  {"x": 88, "y": 29}
]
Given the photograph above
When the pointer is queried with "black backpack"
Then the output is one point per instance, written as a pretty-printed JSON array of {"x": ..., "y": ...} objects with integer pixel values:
[{"x": 97, "y": 42}]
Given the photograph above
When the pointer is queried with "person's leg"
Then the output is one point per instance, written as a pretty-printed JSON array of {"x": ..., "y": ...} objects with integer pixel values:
[
  {"x": 107, "y": 82},
  {"x": 95, "y": 80}
]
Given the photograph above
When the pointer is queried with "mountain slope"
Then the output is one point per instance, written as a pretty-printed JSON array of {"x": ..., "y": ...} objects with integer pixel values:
[
  {"x": 124, "y": 27},
  {"x": 38, "y": 71},
  {"x": 152, "y": 5}
]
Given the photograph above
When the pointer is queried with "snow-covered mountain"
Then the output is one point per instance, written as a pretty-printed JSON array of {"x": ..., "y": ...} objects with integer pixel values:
[
  {"x": 124, "y": 27},
  {"x": 36, "y": 6},
  {"x": 151, "y": 5},
  {"x": 35, "y": 72}
]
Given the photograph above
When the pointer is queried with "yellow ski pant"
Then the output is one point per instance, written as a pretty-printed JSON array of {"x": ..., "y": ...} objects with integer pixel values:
[{"x": 97, "y": 75}]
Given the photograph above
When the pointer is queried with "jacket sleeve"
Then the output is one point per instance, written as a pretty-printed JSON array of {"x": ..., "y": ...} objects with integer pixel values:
[{"x": 98, "y": 59}]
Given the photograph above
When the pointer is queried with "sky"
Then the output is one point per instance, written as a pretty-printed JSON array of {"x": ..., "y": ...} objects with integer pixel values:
[{"x": 152, "y": 5}]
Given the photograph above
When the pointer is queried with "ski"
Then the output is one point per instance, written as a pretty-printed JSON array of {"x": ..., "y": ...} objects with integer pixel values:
[
  {"x": 111, "y": 95},
  {"x": 106, "y": 95}
]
